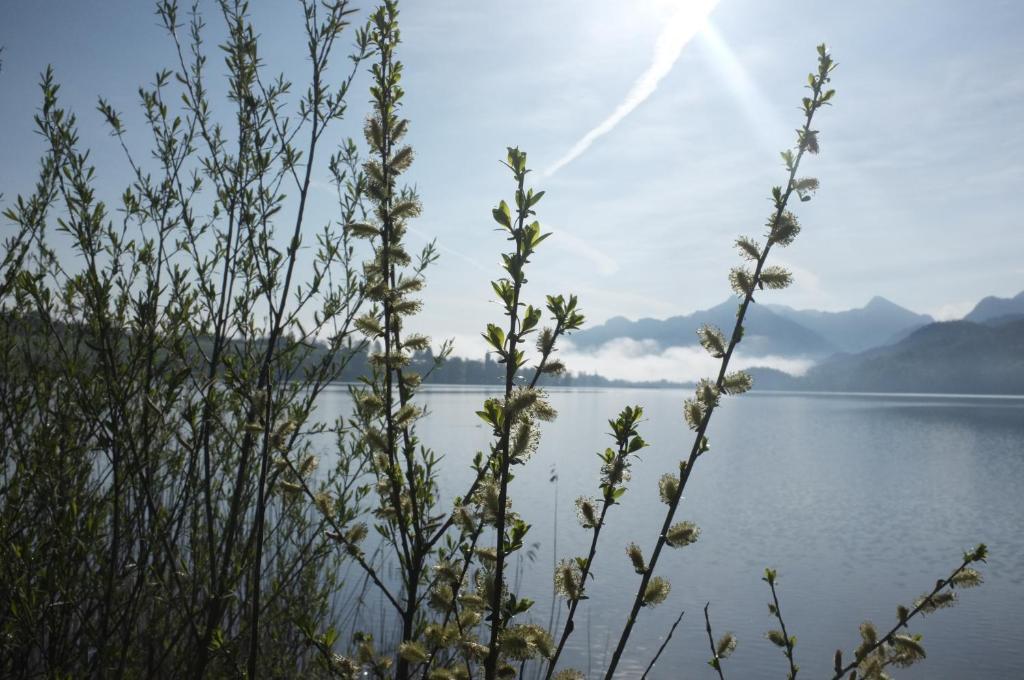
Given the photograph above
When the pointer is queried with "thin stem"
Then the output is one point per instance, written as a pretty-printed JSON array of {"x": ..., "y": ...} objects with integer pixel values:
[
  {"x": 789, "y": 642},
  {"x": 699, "y": 440},
  {"x": 491, "y": 662},
  {"x": 716, "y": 662},
  {"x": 573, "y": 604},
  {"x": 275, "y": 333},
  {"x": 663, "y": 645}
]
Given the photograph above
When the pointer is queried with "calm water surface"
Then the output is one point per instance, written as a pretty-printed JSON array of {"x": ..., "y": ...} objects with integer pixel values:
[{"x": 860, "y": 501}]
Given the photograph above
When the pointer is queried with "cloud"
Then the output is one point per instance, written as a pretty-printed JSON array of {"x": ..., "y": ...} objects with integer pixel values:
[
  {"x": 681, "y": 28},
  {"x": 642, "y": 360},
  {"x": 953, "y": 310}
]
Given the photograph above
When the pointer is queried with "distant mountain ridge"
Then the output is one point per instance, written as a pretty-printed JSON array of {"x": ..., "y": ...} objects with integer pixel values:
[
  {"x": 951, "y": 357},
  {"x": 995, "y": 308},
  {"x": 771, "y": 329},
  {"x": 877, "y": 323},
  {"x": 880, "y": 347},
  {"x": 767, "y": 333}
]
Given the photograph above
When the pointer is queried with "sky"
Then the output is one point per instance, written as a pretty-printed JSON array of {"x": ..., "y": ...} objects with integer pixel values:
[{"x": 654, "y": 126}]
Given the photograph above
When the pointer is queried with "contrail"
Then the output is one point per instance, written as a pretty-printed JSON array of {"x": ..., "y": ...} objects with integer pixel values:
[
  {"x": 604, "y": 263},
  {"x": 681, "y": 27}
]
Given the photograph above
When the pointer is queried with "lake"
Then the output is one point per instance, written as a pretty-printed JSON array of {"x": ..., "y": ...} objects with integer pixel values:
[{"x": 859, "y": 501}]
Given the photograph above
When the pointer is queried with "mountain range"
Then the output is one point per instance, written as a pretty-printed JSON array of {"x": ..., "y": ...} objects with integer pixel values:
[
  {"x": 855, "y": 330},
  {"x": 951, "y": 357},
  {"x": 994, "y": 308},
  {"x": 771, "y": 329},
  {"x": 880, "y": 347},
  {"x": 768, "y": 333}
]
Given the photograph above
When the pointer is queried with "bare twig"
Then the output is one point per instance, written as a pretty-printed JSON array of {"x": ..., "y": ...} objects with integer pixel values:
[
  {"x": 664, "y": 644},
  {"x": 715, "y": 662},
  {"x": 788, "y": 642}
]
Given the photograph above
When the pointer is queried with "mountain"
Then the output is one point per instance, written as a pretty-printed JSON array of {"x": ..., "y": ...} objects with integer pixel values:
[
  {"x": 773, "y": 379},
  {"x": 994, "y": 309},
  {"x": 773, "y": 329},
  {"x": 855, "y": 330},
  {"x": 766, "y": 333},
  {"x": 953, "y": 357}
]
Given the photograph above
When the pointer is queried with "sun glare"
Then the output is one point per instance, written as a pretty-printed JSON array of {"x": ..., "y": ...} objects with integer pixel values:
[
  {"x": 762, "y": 117},
  {"x": 680, "y": 29}
]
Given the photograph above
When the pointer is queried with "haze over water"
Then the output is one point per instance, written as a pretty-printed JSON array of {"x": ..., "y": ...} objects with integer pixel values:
[{"x": 860, "y": 501}]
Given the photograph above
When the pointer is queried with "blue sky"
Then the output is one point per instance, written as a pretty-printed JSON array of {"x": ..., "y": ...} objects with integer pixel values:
[{"x": 922, "y": 197}]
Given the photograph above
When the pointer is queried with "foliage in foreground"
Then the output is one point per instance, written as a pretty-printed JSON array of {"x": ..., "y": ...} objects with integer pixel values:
[{"x": 162, "y": 513}]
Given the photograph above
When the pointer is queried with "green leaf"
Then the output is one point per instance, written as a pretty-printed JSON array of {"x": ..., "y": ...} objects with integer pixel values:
[
  {"x": 636, "y": 444},
  {"x": 493, "y": 414},
  {"x": 530, "y": 320},
  {"x": 538, "y": 239},
  {"x": 502, "y": 215},
  {"x": 516, "y": 160},
  {"x": 504, "y": 291},
  {"x": 496, "y": 337},
  {"x": 523, "y": 605}
]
